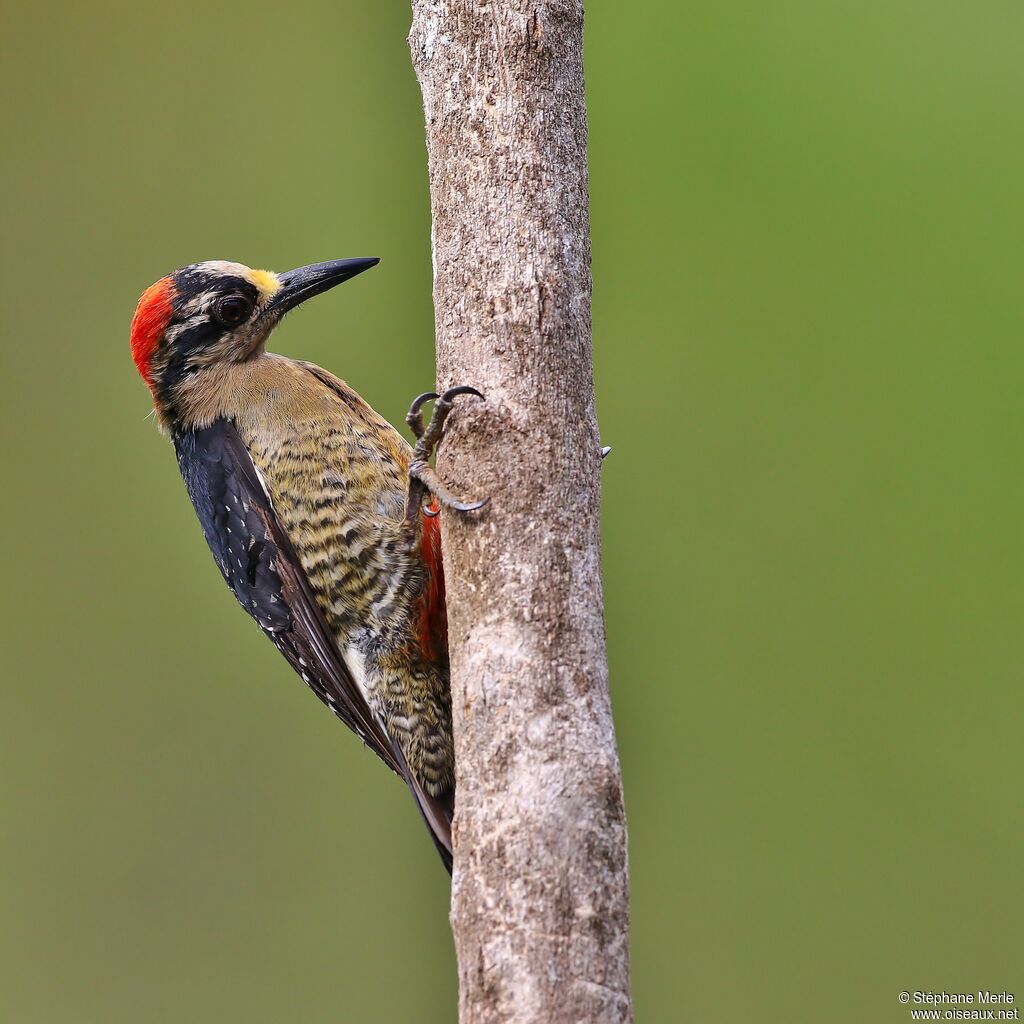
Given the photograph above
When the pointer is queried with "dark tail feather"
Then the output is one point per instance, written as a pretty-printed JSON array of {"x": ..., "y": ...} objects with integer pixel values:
[{"x": 437, "y": 811}]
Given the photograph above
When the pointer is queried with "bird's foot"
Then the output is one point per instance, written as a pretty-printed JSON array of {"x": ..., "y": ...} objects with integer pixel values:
[
  {"x": 414, "y": 417},
  {"x": 427, "y": 439},
  {"x": 422, "y": 478},
  {"x": 427, "y": 478}
]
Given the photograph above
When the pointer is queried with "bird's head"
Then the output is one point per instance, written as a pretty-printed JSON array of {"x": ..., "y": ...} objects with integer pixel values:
[{"x": 219, "y": 312}]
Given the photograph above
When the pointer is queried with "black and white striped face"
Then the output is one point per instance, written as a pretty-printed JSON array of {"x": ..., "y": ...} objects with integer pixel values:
[{"x": 218, "y": 314}]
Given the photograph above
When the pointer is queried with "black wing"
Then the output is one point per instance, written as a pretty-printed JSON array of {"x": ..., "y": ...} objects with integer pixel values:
[{"x": 260, "y": 566}]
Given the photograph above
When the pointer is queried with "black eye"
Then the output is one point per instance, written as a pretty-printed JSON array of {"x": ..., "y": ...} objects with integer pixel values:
[{"x": 232, "y": 310}]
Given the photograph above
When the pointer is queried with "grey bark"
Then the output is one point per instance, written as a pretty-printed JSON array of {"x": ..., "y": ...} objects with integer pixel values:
[{"x": 540, "y": 897}]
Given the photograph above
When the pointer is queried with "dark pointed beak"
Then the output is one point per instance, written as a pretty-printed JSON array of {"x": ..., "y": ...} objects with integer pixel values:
[{"x": 304, "y": 283}]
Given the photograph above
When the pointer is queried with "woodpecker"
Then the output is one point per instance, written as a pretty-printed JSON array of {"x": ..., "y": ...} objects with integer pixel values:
[{"x": 320, "y": 516}]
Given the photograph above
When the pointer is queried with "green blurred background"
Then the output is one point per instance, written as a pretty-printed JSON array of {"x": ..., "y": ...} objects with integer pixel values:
[{"x": 807, "y": 241}]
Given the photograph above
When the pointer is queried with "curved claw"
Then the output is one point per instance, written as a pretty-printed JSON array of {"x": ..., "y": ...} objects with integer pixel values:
[
  {"x": 414, "y": 417},
  {"x": 421, "y": 400},
  {"x": 458, "y": 506},
  {"x": 461, "y": 389},
  {"x": 606, "y": 451},
  {"x": 468, "y": 506},
  {"x": 429, "y": 480}
]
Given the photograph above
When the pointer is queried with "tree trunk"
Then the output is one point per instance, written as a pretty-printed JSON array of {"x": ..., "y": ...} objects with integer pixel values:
[{"x": 540, "y": 897}]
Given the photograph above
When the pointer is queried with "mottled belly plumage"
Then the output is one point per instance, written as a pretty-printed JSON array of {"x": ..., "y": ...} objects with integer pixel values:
[{"x": 340, "y": 490}]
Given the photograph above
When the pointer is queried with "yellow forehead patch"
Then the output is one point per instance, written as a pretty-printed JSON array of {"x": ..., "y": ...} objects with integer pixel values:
[{"x": 265, "y": 282}]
